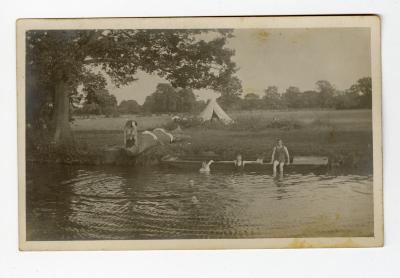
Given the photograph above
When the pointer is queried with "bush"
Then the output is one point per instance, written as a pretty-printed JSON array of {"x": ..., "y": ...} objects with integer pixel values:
[
  {"x": 247, "y": 123},
  {"x": 257, "y": 124},
  {"x": 185, "y": 122}
]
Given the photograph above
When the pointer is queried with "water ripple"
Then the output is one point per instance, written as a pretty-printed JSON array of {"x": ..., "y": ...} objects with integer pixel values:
[{"x": 120, "y": 203}]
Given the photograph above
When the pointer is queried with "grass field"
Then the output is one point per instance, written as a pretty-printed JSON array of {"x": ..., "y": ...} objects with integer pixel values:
[
  {"x": 333, "y": 133},
  {"x": 117, "y": 124},
  {"x": 339, "y": 119}
]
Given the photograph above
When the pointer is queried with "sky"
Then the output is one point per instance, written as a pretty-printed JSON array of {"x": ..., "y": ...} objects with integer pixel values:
[{"x": 283, "y": 58}]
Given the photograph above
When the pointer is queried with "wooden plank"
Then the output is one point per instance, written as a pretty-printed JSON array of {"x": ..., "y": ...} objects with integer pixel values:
[
  {"x": 311, "y": 160},
  {"x": 303, "y": 165}
]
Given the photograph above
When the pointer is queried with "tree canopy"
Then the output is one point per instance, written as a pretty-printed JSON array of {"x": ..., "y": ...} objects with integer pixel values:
[
  {"x": 99, "y": 102},
  {"x": 231, "y": 90},
  {"x": 58, "y": 62},
  {"x": 167, "y": 99},
  {"x": 358, "y": 96},
  {"x": 272, "y": 98},
  {"x": 129, "y": 107}
]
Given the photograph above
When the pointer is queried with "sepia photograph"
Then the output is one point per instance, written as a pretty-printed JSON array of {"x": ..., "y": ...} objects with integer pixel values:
[{"x": 199, "y": 133}]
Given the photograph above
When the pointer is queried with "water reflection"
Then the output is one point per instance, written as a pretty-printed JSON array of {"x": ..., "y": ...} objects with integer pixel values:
[{"x": 65, "y": 202}]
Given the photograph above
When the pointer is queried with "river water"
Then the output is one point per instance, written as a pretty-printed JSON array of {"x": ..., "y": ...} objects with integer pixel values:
[{"x": 88, "y": 203}]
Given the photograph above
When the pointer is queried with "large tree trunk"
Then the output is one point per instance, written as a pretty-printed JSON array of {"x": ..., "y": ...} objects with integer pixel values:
[{"x": 63, "y": 132}]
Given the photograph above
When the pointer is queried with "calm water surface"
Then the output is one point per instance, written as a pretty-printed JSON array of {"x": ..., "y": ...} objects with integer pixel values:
[{"x": 68, "y": 202}]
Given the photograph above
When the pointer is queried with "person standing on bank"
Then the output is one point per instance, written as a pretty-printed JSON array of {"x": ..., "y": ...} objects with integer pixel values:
[
  {"x": 280, "y": 155},
  {"x": 130, "y": 134}
]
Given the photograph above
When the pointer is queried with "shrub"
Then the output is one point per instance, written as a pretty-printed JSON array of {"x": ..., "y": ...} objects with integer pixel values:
[
  {"x": 257, "y": 124},
  {"x": 185, "y": 122}
]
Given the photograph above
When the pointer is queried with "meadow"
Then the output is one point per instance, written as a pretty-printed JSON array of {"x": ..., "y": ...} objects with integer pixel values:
[
  {"x": 101, "y": 123},
  {"x": 339, "y": 119},
  {"x": 344, "y": 135}
]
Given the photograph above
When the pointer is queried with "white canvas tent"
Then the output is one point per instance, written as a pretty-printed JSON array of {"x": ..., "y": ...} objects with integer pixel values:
[{"x": 214, "y": 111}]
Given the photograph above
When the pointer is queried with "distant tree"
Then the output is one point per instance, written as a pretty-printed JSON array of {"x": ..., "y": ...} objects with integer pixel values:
[
  {"x": 97, "y": 102},
  {"x": 129, "y": 107},
  {"x": 291, "y": 97},
  {"x": 231, "y": 90},
  {"x": 90, "y": 109},
  {"x": 149, "y": 104},
  {"x": 167, "y": 99},
  {"x": 251, "y": 96},
  {"x": 107, "y": 103},
  {"x": 326, "y": 93},
  {"x": 272, "y": 92},
  {"x": 186, "y": 100},
  {"x": 272, "y": 99},
  {"x": 363, "y": 89},
  {"x": 251, "y": 101},
  {"x": 347, "y": 100},
  {"x": 310, "y": 99}
]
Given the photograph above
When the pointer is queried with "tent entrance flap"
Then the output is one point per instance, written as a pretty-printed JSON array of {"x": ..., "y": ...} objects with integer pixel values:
[{"x": 214, "y": 116}]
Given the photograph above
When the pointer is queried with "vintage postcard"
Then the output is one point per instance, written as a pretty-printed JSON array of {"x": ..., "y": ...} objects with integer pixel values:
[{"x": 199, "y": 133}]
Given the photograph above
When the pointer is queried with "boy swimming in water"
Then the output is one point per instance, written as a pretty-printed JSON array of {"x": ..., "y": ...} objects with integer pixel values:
[
  {"x": 279, "y": 156},
  {"x": 205, "y": 167},
  {"x": 239, "y": 162}
]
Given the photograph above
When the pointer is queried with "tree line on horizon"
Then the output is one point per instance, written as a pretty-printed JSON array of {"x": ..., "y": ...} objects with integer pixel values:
[
  {"x": 167, "y": 99},
  {"x": 326, "y": 96}
]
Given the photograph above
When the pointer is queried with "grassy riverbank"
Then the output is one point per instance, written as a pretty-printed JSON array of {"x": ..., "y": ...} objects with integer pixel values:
[{"x": 345, "y": 136}]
